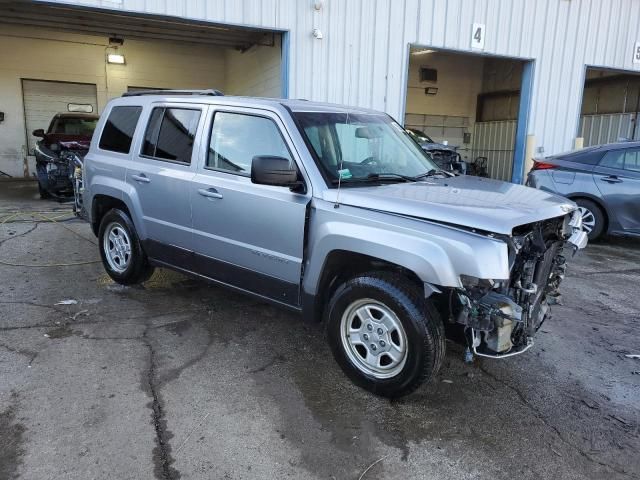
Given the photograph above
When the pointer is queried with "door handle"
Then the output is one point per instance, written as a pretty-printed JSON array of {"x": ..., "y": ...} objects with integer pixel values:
[
  {"x": 209, "y": 192},
  {"x": 142, "y": 178},
  {"x": 611, "y": 179}
]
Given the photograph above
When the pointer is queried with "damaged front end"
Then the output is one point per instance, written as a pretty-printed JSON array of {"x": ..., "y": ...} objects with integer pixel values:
[
  {"x": 500, "y": 317},
  {"x": 57, "y": 169}
]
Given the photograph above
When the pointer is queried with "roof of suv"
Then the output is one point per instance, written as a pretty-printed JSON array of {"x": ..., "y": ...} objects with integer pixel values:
[{"x": 296, "y": 105}]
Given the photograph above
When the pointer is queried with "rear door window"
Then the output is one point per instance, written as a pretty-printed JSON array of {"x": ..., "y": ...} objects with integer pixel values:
[
  {"x": 613, "y": 159},
  {"x": 632, "y": 161},
  {"x": 170, "y": 134},
  {"x": 118, "y": 130}
]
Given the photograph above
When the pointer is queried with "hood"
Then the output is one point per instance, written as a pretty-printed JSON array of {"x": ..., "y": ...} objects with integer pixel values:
[
  {"x": 473, "y": 202},
  {"x": 437, "y": 146},
  {"x": 76, "y": 144},
  {"x": 68, "y": 141}
]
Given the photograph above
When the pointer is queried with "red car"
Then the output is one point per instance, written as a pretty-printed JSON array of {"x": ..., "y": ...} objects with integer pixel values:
[{"x": 67, "y": 133}]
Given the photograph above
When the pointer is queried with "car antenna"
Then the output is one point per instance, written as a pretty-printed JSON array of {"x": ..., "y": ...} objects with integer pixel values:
[{"x": 337, "y": 204}]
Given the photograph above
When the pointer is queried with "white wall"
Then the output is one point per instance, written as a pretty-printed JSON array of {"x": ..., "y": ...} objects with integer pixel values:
[
  {"x": 459, "y": 83},
  {"x": 69, "y": 59},
  {"x": 49, "y": 55},
  {"x": 255, "y": 72},
  {"x": 362, "y": 59}
]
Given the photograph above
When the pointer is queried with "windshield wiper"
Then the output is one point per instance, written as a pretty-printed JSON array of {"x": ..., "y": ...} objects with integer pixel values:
[
  {"x": 431, "y": 173},
  {"x": 377, "y": 177},
  {"x": 390, "y": 176}
]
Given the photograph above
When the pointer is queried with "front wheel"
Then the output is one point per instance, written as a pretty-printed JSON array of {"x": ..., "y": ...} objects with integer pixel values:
[
  {"x": 120, "y": 249},
  {"x": 384, "y": 334}
]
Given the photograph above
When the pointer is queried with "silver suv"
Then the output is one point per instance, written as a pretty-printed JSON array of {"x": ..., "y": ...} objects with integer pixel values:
[{"x": 333, "y": 212}]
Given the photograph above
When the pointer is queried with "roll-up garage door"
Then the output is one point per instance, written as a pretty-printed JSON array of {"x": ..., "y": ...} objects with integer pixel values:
[{"x": 43, "y": 99}]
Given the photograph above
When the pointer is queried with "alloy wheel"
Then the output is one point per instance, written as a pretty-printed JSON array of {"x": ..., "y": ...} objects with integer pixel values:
[
  {"x": 373, "y": 338},
  {"x": 117, "y": 247},
  {"x": 588, "y": 219}
]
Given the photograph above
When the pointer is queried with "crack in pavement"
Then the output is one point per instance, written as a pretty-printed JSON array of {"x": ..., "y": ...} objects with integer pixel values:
[
  {"x": 555, "y": 429},
  {"x": 30, "y": 354},
  {"x": 174, "y": 373},
  {"x": 162, "y": 458},
  {"x": 27, "y": 327},
  {"x": 32, "y": 304},
  {"x": 20, "y": 234}
]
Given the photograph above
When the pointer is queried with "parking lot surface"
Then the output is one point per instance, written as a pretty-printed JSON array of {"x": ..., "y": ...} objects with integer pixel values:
[{"x": 181, "y": 379}]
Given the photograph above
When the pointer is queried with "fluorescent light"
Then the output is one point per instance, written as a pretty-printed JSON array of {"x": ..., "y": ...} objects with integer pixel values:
[
  {"x": 115, "y": 58},
  {"x": 422, "y": 52}
]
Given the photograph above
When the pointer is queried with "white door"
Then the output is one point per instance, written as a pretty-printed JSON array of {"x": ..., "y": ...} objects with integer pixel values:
[{"x": 43, "y": 99}]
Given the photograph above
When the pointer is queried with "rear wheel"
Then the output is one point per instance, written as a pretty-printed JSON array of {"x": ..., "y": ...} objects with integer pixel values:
[
  {"x": 120, "y": 249},
  {"x": 593, "y": 220},
  {"x": 384, "y": 334}
]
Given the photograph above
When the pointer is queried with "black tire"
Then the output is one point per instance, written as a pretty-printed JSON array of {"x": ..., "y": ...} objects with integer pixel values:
[
  {"x": 420, "y": 320},
  {"x": 44, "y": 194},
  {"x": 598, "y": 215},
  {"x": 138, "y": 269}
]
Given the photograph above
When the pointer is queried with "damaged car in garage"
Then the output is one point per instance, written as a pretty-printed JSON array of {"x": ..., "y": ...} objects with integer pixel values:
[
  {"x": 445, "y": 156},
  {"x": 66, "y": 140}
]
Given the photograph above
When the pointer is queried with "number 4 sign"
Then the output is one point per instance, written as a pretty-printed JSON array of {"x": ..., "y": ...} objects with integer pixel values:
[
  {"x": 477, "y": 36},
  {"x": 636, "y": 53}
]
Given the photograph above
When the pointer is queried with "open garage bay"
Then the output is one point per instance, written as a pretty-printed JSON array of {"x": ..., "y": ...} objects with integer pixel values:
[{"x": 179, "y": 379}]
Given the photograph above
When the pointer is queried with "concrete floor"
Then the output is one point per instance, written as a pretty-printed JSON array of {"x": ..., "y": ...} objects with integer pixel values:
[{"x": 179, "y": 379}]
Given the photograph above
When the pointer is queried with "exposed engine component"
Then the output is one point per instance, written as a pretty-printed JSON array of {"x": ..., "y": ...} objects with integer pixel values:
[
  {"x": 74, "y": 167},
  {"x": 447, "y": 159},
  {"x": 56, "y": 168},
  {"x": 501, "y": 317},
  {"x": 54, "y": 173}
]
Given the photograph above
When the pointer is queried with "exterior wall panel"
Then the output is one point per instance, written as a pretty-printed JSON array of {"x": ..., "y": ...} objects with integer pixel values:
[
  {"x": 608, "y": 128},
  {"x": 360, "y": 36},
  {"x": 496, "y": 141}
]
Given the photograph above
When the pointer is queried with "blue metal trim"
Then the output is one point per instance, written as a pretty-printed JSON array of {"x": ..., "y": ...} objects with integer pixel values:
[
  {"x": 517, "y": 174},
  {"x": 284, "y": 65}
]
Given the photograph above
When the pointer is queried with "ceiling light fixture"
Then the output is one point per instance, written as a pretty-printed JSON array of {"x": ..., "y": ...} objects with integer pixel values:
[
  {"x": 422, "y": 51},
  {"x": 115, "y": 58}
]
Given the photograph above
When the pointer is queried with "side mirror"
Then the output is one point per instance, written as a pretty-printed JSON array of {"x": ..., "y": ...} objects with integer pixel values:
[
  {"x": 276, "y": 171},
  {"x": 38, "y": 133}
]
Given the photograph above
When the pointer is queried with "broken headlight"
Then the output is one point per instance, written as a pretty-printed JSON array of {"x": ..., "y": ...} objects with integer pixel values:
[{"x": 469, "y": 282}]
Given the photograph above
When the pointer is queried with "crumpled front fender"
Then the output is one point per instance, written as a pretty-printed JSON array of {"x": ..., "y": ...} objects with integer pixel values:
[{"x": 437, "y": 254}]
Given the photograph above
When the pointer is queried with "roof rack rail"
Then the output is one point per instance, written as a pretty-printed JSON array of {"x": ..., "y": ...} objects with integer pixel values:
[{"x": 211, "y": 92}]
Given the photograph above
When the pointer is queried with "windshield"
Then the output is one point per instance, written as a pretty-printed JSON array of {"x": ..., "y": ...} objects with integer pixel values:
[
  {"x": 356, "y": 147},
  {"x": 74, "y": 126}
]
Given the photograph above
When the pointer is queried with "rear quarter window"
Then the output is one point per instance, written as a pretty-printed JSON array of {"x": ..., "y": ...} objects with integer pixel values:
[
  {"x": 587, "y": 156},
  {"x": 118, "y": 130}
]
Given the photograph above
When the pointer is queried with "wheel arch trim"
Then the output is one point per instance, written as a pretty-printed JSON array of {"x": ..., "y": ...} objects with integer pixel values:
[{"x": 119, "y": 190}]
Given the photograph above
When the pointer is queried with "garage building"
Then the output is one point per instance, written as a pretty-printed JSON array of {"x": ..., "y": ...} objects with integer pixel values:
[{"x": 506, "y": 80}]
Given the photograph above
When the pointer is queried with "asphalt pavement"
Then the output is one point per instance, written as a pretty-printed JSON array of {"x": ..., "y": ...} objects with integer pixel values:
[{"x": 178, "y": 379}]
